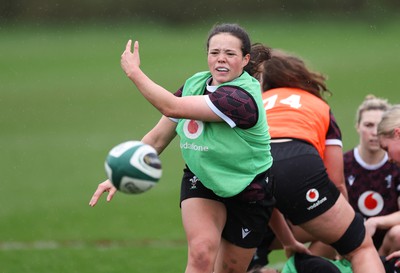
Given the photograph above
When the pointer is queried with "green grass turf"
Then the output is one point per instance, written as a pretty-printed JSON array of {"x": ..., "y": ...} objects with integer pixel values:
[{"x": 64, "y": 102}]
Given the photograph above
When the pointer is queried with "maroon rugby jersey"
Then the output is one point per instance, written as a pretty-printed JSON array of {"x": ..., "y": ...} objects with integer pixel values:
[{"x": 373, "y": 189}]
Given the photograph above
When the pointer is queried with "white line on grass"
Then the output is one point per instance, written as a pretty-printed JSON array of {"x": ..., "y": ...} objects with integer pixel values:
[{"x": 13, "y": 245}]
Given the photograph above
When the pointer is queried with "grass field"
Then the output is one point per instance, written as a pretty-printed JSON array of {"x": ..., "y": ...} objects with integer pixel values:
[{"x": 64, "y": 102}]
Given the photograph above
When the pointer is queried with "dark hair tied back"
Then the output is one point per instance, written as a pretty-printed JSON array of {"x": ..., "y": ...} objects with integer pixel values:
[{"x": 235, "y": 30}]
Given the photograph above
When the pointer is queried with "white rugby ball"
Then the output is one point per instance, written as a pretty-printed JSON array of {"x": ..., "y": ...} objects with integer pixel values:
[{"x": 133, "y": 167}]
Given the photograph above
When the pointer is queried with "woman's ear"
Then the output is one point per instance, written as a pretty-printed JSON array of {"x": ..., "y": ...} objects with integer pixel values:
[
  {"x": 397, "y": 132},
  {"x": 246, "y": 59}
]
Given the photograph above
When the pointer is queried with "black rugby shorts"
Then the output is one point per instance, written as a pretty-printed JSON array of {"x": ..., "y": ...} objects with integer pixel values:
[
  {"x": 248, "y": 213},
  {"x": 303, "y": 190}
]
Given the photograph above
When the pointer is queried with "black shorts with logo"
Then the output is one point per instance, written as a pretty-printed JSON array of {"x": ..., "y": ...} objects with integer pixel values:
[
  {"x": 303, "y": 190},
  {"x": 248, "y": 212}
]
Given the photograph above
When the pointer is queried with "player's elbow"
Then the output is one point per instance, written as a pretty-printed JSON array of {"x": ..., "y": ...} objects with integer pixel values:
[
  {"x": 170, "y": 112},
  {"x": 170, "y": 108}
]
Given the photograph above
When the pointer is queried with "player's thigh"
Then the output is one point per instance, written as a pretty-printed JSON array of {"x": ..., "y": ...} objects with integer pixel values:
[
  {"x": 393, "y": 234},
  {"x": 203, "y": 219},
  {"x": 332, "y": 224},
  {"x": 391, "y": 241},
  {"x": 300, "y": 234}
]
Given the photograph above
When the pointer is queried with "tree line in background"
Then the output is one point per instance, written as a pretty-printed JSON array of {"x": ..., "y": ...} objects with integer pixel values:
[{"x": 181, "y": 11}]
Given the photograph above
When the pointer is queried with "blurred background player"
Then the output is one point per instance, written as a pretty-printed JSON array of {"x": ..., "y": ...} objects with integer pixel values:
[
  {"x": 296, "y": 75},
  {"x": 309, "y": 181},
  {"x": 389, "y": 133},
  {"x": 372, "y": 181}
]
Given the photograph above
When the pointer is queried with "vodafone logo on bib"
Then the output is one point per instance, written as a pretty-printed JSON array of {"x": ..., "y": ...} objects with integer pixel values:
[
  {"x": 193, "y": 128},
  {"x": 370, "y": 203}
]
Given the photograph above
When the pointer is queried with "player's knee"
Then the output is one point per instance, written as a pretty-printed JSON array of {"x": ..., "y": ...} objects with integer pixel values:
[
  {"x": 352, "y": 238},
  {"x": 394, "y": 234},
  {"x": 201, "y": 254}
]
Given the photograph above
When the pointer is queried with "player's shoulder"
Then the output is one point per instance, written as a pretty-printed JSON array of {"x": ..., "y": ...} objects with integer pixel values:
[
  {"x": 234, "y": 92},
  {"x": 395, "y": 169}
]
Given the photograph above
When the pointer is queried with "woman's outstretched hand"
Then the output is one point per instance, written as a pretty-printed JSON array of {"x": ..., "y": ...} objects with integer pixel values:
[
  {"x": 130, "y": 61},
  {"x": 103, "y": 187}
]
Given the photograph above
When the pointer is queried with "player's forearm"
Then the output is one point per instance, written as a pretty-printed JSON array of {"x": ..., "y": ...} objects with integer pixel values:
[
  {"x": 281, "y": 229},
  {"x": 388, "y": 221},
  {"x": 333, "y": 162},
  {"x": 161, "y": 135},
  {"x": 158, "y": 96},
  {"x": 342, "y": 188},
  {"x": 337, "y": 178}
]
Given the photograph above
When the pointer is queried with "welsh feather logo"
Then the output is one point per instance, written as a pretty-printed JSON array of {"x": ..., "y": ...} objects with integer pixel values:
[
  {"x": 312, "y": 195},
  {"x": 370, "y": 203},
  {"x": 193, "y": 128}
]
